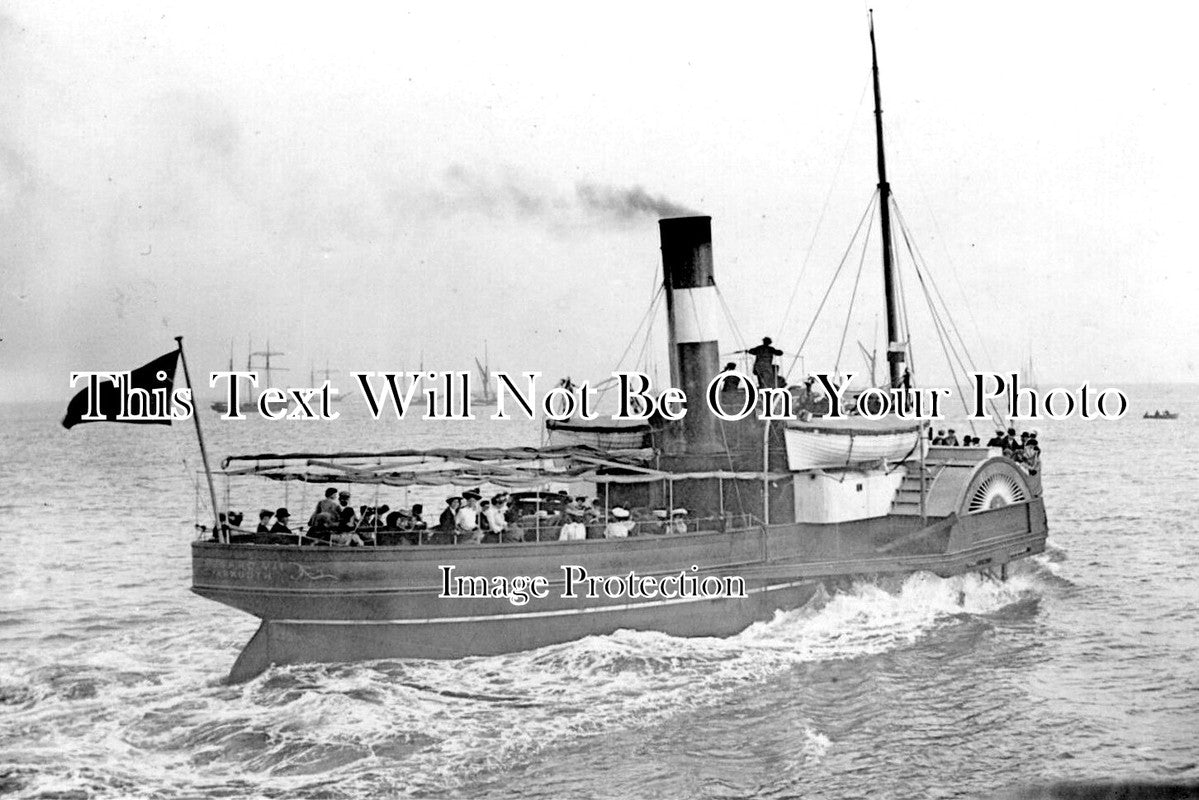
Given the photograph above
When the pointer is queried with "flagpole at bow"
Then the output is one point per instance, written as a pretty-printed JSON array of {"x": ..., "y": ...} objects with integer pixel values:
[{"x": 216, "y": 518}]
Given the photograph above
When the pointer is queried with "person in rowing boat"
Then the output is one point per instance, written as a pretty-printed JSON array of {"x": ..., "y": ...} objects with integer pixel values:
[{"x": 765, "y": 369}]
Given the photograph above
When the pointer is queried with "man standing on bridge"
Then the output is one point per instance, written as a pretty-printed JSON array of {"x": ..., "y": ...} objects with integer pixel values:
[{"x": 765, "y": 369}]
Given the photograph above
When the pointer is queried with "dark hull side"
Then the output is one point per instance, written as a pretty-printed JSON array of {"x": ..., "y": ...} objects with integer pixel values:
[{"x": 325, "y": 604}]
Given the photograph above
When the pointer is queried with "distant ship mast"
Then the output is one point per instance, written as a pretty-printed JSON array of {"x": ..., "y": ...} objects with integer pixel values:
[{"x": 895, "y": 347}]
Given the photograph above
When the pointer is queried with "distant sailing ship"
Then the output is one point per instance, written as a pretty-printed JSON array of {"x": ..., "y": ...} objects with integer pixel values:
[
  {"x": 783, "y": 506},
  {"x": 324, "y": 373},
  {"x": 246, "y": 391},
  {"x": 1028, "y": 376},
  {"x": 485, "y": 396}
]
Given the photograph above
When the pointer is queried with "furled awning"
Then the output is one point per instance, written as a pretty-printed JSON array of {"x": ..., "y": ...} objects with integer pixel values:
[{"x": 510, "y": 467}]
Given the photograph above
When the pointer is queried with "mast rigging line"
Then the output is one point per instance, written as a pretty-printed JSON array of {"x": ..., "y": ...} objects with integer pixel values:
[
  {"x": 943, "y": 336},
  {"x": 937, "y": 290},
  {"x": 832, "y": 282},
  {"x": 967, "y": 364},
  {"x": 907, "y": 326},
  {"x": 854, "y": 294},
  {"x": 734, "y": 328},
  {"x": 647, "y": 317},
  {"x": 897, "y": 128},
  {"x": 823, "y": 209}
]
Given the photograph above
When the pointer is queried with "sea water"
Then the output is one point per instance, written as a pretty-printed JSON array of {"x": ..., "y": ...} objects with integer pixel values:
[{"x": 1083, "y": 665}]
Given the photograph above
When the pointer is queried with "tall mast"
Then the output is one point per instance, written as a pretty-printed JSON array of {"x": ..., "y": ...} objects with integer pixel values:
[{"x": 895, "y": 352}]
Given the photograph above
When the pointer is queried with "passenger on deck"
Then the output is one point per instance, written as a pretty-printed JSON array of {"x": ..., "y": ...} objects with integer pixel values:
[
  {"x": 494, "y": 514},
  {"x": 376, "y": 521},
  {"x": 619, "y": 525},
  {"x": 327, "y": 505},
  {"x": 996, "y": 440},
  {"x": 952, "y": 439},
  {"x": 764, "y": 367},
  {"x": 939, "y": 438},
  {"x": 644, "y": 521},
  {"x": 322, "y": 527},
  {"x": 595, "y": 513},
  {"x": 729, "y": 384},
  {"x": 467, "y": 518},
  {"x": 678, "y": 521},
  {"x": 484, "y": 522},
  {"x": 264, "y": 519},
  {"x": 418, "y": 522},
  {"x": 1032, "y": 453},
  {"x": 573, "y": 529},
  {"x": 404, "y": 525},
  {"x": 513, "y": 530},
  {"x": 282, "y": 515},
  {"x": 449, "y": 515},
  {"x": 347, "y": 529}
]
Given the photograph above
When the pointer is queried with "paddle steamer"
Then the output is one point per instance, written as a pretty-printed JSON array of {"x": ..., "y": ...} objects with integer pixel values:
[{"x": 782, "y": 506}]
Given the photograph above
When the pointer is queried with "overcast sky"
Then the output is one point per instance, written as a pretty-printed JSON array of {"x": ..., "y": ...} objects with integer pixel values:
[{"x": 366, "y": 185}]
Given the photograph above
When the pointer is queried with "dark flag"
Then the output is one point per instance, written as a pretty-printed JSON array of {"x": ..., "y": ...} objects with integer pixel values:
[{"x": 151, "y": 408}]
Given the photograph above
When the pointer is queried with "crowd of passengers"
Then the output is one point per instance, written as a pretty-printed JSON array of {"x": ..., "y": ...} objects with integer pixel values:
[
  {"x": 468, "y": 518},
  {"x": 1023, "y": 449}
]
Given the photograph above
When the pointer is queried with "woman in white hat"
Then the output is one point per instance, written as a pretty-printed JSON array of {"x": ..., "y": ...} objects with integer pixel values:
[
  {"x": 574, "y": 529},
  {"x": 619, "y": 524}
]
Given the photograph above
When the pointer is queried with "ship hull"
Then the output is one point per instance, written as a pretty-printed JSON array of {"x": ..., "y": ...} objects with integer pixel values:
[{"x": 324, "y": 604}]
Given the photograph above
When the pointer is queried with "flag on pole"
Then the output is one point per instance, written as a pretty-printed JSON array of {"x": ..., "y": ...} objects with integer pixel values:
[{"x": 144, "y": 394}]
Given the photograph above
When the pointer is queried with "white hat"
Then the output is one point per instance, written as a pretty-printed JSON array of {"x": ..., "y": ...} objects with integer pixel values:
[
  {"x": 620, "y": 513},
  {"x": 679, "y": 512}
]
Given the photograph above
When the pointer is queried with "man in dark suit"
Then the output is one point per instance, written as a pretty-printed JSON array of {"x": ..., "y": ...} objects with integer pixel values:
[
  {"x": 764, "y": 369},
  {"x": 282, "y": 515}
]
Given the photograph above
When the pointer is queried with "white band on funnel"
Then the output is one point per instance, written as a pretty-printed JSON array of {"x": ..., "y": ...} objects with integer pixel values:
[{"x": 696, "y": 314}]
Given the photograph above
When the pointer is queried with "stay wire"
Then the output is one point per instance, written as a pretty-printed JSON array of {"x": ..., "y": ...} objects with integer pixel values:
[
  {"x": 942, "y": 332},
  {"x": 914, "y": 250},
  {"x": 824, "y": 209},
  {"x": 828, "y": 291},
  {"x": 854, "y": 294},
  {"x": 896, "y": 127}
]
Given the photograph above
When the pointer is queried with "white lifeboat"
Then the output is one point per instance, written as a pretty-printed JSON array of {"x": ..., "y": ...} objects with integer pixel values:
[{"x": 825, "y": 443}]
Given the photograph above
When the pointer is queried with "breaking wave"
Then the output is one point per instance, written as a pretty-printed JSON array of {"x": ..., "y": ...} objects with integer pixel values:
[{"x": 159, "y": 721}]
